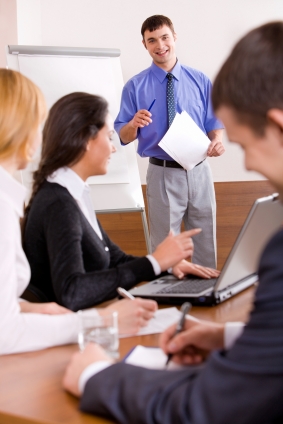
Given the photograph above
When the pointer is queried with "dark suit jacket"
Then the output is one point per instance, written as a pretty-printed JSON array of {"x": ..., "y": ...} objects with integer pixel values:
[
  {"x": 69, "y": 263},
  {"x": 241, "y": 386}
]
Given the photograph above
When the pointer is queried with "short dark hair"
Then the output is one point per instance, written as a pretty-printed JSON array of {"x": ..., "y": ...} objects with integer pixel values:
[
  {"x": 251, "y": 79},
  {"x": 156, "y": 21}
]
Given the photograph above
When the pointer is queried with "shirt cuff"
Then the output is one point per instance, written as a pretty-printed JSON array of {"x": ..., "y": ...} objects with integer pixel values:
[
  {"x": 91, "y": 312},
  {"x": 232, "y": 331},
  {"x": 155, "y": 264},
  {"x": 90, "y": 371}
]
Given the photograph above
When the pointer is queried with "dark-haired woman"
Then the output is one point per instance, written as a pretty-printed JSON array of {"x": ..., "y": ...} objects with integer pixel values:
[{"x": 72, "y": 259}]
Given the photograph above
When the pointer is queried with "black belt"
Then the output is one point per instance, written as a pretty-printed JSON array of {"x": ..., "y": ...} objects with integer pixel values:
[{"x": 168, "y": 163}]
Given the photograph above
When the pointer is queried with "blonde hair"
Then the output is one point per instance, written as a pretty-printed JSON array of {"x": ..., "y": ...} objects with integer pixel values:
[{"x": 22, "y": 110}]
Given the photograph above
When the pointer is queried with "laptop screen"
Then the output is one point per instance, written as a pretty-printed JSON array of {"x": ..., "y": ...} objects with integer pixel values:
[{"x": 264, "y": 219}]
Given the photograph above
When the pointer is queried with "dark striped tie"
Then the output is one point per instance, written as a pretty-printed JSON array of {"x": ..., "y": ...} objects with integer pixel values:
[{"x": 170, "y": 99}]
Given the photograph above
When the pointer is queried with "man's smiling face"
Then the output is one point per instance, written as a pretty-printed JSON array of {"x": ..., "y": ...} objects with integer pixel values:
[{"x": 161, "y": 47}]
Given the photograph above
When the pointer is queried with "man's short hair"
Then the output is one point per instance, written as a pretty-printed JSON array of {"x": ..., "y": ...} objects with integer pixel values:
[
  {"x": 154, "y": 22},
  {"x": 251, "y": 79}
]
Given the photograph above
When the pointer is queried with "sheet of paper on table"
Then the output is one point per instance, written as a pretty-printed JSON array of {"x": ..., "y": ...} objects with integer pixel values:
[
  {"x": 149, "y": 357},
  {"x": 185, "y": 142},
  {"x": 154, "y": 358},
  {"x": 163, "y": 319}
]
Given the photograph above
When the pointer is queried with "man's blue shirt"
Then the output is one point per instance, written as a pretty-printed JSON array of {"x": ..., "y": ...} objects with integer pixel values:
[{"x": 191, "y": 92}]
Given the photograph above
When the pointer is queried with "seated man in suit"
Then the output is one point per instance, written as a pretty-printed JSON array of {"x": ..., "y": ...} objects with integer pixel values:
[{"x": 241, "y": 382}]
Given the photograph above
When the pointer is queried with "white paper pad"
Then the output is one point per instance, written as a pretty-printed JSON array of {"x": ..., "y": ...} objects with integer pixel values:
[
  {"x": 185, "y": 142},
  {"x": 162, "y": 320},
  {"x": 154, "y": 358}
]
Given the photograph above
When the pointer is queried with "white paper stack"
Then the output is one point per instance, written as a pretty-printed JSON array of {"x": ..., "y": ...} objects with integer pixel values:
[{"x": 185, "y": 142}]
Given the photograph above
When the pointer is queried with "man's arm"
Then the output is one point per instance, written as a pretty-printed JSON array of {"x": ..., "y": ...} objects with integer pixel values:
[
  {"x": 129, "y": 132},
  {"x": 216, "y": 147},
  {"x": 243, "y": 385}
]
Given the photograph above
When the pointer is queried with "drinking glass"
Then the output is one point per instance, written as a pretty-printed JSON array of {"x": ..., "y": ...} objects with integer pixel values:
[{"x": 102, "y": 330}]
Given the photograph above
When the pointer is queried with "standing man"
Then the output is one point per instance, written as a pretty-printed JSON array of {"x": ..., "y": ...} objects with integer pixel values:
[{"x": 173, "y": 193}]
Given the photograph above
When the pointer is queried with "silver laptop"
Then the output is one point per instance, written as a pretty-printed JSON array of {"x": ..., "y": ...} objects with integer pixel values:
[{"x": 239, "y": 271}]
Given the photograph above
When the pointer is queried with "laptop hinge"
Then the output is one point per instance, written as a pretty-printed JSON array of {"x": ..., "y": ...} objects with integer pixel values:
[{"x": 236, "y": 288}]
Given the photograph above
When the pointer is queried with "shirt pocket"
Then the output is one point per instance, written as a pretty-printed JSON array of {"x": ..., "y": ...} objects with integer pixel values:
[{"x": 194, "y": 107}]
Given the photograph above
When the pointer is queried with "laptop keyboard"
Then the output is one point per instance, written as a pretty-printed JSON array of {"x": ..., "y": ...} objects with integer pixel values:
[{"x": 189, "y": 286}]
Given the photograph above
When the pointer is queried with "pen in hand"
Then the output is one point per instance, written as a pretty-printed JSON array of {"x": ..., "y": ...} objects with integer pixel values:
[
  {"x": 127, "y": 295},
  {"x": 185, "y": 309},
  {"x": 150, "y": 107},
  {"x": 124, "y": 293}
]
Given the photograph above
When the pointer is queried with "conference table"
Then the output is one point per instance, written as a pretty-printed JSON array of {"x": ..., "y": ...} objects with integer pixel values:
[{"x": 31, "y": 383}]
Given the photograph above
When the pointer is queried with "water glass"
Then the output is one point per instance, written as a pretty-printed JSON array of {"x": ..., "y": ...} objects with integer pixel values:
[{"x": 102, "y": 330}]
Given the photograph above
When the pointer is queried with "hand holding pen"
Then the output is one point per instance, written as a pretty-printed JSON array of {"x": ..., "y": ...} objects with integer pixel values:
[
  {"x": 185, "y": 308},
  {"x": 127, "y": 295},
  {"x": 143, "y": 117}
]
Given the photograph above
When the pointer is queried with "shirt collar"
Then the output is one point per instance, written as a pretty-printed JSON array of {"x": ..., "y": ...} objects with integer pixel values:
[
  {"x": 13, "y": 191},
  {"x": 161, "y": 74},
  {"x": 69, "y": 179}
]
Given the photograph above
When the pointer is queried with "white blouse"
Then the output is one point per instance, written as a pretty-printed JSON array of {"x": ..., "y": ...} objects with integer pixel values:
[{"x": 22, "y": 332}]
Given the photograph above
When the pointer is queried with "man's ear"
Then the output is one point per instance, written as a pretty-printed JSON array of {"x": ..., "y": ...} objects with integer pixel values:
[
  {"x": 276, "y": 116},
  {"x": 144, "y": 44},
  {"x": 175, "y": 36}
]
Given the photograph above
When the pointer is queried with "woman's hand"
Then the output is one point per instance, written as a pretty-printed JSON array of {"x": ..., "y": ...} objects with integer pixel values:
[
  {"x": 193, "y": 345},
  {"x": 175, "y": 248},
  {"x": 132, "y": 314},
  {"x": 50, "y": 308},
  {"x": 184, "y": 267}
]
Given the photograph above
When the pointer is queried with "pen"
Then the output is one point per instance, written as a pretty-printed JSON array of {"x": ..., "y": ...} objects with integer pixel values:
[
  {"x": 150, "y": 107},
  {"x": 124, "y": 293},
  {"x": 185, "y": 308}
]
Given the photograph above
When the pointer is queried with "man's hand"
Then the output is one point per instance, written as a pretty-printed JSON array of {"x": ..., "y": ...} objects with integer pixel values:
[
  {"x": 78, "y": 363},
  {"x": 175, "y": 248},
  {"x": 132, "y": 314},
  {"x": 50, "y": 308},
  {"x": 129, "y": 131},
  {"x": 141, "y": 119},
  {"x": 194, "y": 344},
  {"x": 184, "y": 267},
  {"x": 216, "y": 147}
]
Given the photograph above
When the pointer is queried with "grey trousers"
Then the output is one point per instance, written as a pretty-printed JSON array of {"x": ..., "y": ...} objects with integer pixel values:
[{"x": 175, "y": 195}]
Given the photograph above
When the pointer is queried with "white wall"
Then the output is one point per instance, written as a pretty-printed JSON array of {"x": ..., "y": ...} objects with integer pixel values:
[
  {"x": 206, "y": 32},
  {"x": 29, "y": 22},
  {"x": 8, "y": 27}
]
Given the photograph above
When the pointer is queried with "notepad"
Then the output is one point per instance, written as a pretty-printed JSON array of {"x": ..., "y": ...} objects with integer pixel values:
[
  {"x": 154, "y": 358},
  {"x": 149, "y": 357}
]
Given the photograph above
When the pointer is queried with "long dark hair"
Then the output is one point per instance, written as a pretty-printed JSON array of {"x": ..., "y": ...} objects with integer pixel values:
[{"x": 72, "y": 121}]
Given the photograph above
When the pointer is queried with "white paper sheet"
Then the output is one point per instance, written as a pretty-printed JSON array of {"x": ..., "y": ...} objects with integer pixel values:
[
  {"x": 154, "y": 358},
  {"x": 162, "y": 320},
  {"x": 185, "y": 142}
]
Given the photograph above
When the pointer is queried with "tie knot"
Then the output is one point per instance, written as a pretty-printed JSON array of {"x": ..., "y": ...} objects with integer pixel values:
[{"x": 169, "y": 76}]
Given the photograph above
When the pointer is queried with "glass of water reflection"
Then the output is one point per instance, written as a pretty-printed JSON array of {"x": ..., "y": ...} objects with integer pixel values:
[{"x": 102, "y": 330}]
